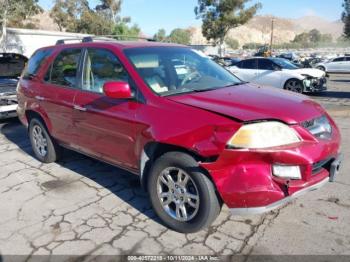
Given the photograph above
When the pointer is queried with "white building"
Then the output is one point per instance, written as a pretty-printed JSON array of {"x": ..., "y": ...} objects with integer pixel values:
[{"x": 26, "y": 41}]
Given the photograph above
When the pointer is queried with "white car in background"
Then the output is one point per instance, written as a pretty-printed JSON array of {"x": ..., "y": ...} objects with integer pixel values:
[
  {"x": 336, "y": 65},
  {"x": 280, "y": 73}
]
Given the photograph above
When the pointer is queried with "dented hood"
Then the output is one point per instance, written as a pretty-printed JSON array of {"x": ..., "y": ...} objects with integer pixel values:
[
  {"x": 249, "y": 102},
  {"x": 313, "y": 72}
]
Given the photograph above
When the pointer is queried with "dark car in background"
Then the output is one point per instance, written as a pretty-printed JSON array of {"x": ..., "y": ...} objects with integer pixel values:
[{"x": 11, "y": 67}]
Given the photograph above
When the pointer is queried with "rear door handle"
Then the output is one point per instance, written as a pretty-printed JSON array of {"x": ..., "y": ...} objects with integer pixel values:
[
  {"x": 40, "y": 98},
  {"x": 80, "y": 108}
]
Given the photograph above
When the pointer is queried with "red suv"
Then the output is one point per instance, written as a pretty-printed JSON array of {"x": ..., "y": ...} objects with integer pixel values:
[{"x": 196, "y": 135}]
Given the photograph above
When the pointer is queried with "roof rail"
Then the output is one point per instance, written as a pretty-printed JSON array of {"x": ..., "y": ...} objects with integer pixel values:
[
  {"x": 88, "y": 39},
  {"x": 63, "y": 41},
  {"x": 120, "y": 37}
]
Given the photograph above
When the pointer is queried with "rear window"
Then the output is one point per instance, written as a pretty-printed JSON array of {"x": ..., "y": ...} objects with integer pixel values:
[{"x": 35, "y": 62}]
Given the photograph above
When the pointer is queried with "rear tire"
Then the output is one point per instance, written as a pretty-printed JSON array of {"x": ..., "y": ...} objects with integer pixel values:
[
  {"x": 173, "y": 197},
  {"x": 45, "y": 148},
  {"x": 294, "y": 85}
]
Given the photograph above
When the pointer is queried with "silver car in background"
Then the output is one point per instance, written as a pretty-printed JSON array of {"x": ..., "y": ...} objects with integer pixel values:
[{"x": 336, "y": 65}]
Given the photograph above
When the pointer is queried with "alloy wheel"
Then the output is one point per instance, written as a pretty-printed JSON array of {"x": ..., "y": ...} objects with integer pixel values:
[
  {"x": 40, "y": 141},
  {"x": 294, "y": 86},
  {"x": 178, "y": 194}
]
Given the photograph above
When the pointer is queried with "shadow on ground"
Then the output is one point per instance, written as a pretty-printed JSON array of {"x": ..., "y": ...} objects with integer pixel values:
[
  {"x": 341, "y": 80},
  {"x": 112, "y": 178},
  {"x": 331, "y": 94}
]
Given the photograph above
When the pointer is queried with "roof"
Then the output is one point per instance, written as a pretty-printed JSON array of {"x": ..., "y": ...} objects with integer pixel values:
[{"x": 118, "y": 44}]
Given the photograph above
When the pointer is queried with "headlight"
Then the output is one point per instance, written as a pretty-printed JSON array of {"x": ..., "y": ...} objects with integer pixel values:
[{"x": 263, "y": 135}]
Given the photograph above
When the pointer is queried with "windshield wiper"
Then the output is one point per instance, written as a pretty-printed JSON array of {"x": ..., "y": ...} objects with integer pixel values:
[{"x": 199, "y": 90}]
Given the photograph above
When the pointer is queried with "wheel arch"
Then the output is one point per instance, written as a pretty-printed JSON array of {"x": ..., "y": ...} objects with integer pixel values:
[
  {"x": 153, "y": 150},
  {"x": 292, "y": 78},
  {"x": 30, "y": 114}
]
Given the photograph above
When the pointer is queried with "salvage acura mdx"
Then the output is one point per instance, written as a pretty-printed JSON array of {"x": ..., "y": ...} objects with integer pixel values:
[{"x": 197, "y": 136}]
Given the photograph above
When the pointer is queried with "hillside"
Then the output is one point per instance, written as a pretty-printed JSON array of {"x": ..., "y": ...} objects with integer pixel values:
[{"x": 258, "y": 30}]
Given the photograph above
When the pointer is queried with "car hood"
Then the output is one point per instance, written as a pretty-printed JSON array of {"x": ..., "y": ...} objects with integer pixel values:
[
  {"x": 313, "y": 72},
  {"x": 11, "y": 65},
  {"x": 250, "y": 102}
]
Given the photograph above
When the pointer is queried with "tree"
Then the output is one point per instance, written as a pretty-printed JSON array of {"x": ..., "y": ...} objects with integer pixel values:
[
  {"x": 67, "y": 13},
  {"x": 315, "y": 36},
  {"x": 220, "y": 16},
  {"x": 111, "y": 8},
  {"x": 123, "y": 29},
  {"x": 346, "y": 18},
  {"x": 160, "y": 36},
  {"x": 311, "y": 39},
  {"x": 13, "y": 13},
  {"x": 232, "y": 43},
  {"x": 77, "y": 16},
  {"x": 180, "y": 36}
]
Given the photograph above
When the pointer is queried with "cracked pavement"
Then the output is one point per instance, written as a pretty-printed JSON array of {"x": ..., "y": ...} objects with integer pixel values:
[{"x": 80, "y": 206}]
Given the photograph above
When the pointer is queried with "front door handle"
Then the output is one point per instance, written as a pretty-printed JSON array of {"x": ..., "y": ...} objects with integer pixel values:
[
  {"x": 80, "y": 108},
  {"x": 40, "y": 98}
]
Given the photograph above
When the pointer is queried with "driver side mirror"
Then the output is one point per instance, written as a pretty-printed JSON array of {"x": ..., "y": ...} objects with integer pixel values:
[{"x": 118, "y": 90}]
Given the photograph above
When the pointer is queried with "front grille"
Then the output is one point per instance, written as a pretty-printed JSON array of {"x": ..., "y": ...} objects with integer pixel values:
[
  {"x": 319, "y": 127},
  {"x": 319, "y": 166}
]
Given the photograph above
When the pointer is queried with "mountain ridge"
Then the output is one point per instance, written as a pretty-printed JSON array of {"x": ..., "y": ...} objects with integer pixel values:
[{"x": 258, "y": 29}]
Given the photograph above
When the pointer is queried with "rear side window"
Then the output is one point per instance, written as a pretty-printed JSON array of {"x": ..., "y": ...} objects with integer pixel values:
[
  {"x": 35, "y": 62},
  {"x": 64, "y": 69},
  {"x": 265, "y": 64},
  {"x": 347, "y": 58},
  {"x": 249, "y": 64}
]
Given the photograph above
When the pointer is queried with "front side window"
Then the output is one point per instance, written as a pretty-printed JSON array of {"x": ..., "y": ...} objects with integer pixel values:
[
  {"x": 102, "y": 66},
  {"x": 339, "y": 59},
  {"x": 173, "y": 70},
  {"x": 35, "y": 62},
  {"x": 284, "y": 63},
  {"x": 65, "y": 68}
]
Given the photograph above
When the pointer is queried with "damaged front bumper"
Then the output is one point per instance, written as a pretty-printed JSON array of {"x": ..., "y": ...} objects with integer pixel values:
[
  {"x": 247, "y": 184},
  {"x": 315, "y": 84},
  {"x": 8, "y": 106}
]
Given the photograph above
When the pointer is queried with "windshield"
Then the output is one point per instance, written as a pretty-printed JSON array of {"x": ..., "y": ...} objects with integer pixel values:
[
  {"x": 174, "y": 70},
  {"x": 284, "y": 63}
]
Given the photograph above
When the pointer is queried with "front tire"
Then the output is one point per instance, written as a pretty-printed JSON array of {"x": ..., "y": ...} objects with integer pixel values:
[
  {"x": 181, "y": 194},
  {"x": 321, "y": 68},
  {"x": 45, "y": 148},
  {"x": 294, "y": 85}
]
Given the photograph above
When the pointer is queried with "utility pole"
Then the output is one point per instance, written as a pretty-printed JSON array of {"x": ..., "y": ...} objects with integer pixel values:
[{"x": 272, "y": 28}]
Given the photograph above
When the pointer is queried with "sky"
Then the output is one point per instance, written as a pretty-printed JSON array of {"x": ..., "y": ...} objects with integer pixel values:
[{"x": 152, "y": 15}]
